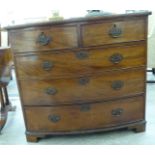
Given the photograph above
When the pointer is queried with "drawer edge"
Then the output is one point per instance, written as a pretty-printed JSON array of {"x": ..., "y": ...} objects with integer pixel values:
[{"x": 129, "y": 125}]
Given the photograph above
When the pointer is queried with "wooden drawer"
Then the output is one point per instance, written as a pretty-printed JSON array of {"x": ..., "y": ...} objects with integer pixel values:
[
  {"x": 114, "y": 32},
  {"x": 44, "y": 38},
  {"x": 84, "y": 62},
  {"x": 84, "y": 117},
  {"x": 83, "y": 89}
]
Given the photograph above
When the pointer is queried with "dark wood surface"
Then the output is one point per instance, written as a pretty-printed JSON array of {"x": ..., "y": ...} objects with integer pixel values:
[
  {"x": 6, "y": 61},
  {"x": 132, "y": 30},
  {"x": 60, "y": 38},
  {"x": 71, "y": 91},
  {"x": 82, "y": 75},
  {"x": 78, "y": 117},
  {"x": 66, "y": 36},
  {"x": 79, "y": 20},
  {"x": 95, "y": 61},
  {"x": 5, "y": 77}
]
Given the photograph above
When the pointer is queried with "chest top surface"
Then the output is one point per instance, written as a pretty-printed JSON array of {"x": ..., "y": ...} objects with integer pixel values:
[{"x": 124, "y": 16}]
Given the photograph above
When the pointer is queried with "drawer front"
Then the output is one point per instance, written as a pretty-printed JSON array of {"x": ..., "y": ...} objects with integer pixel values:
[
  {"x": 44, "y": 38},
  {"x": 83, "y": 89},
  {"x": 113, "y": 32},
  {"x": 85, "y": 117},
  {"x": 84, "y": 62}
]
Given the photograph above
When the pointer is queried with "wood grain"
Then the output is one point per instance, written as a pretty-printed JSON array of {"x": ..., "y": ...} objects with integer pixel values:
[
  {"x": 73, "y": 119},
  {"x": 70, "y": 91},
  {"x": 61, "y": 37},
  {"x": 132, "y": 30},
  {"x": 97, "y": 60},
  {"x": 82, "y": 78}
]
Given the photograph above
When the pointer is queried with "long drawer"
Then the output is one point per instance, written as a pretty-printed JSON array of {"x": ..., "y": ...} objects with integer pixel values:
[
  {"x": 45, "y": 38},
  {"x": 113, "y": 32},
  {"x": 83, "y": 89},
  {"x": 83, "y": 62},
  {"x": 84, "y": 117}
]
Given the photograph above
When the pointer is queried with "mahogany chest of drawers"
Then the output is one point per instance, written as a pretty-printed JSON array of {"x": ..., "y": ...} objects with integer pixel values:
[{"x": 81, "y": 75}]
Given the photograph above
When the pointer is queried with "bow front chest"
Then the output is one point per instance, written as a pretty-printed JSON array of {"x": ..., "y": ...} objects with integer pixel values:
[{"x": 81, "y": 75}]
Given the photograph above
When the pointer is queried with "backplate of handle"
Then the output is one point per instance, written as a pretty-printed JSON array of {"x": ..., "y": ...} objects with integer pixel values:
[
  {"x": 47, "y": 65},
  {"x": 115, "y": 31},
  {"x": 54, "y": 118},
  {"x": 84, "y": 80},
  {"x": 116, "y": 58},
  {"x": 51, "y": 91},
  {"x": 85, "y": 108},
  {"x": 117, "y": 85},
  {"x": 82, "y": 55},
  {"x": 43, "y": 39},
  {"x": 117, "y": 112}
]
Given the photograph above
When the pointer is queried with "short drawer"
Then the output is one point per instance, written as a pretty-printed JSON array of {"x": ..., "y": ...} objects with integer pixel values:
[
  {"x": 106, "y": 86},
  {"x": 44, "y": 38},
  {"x": 85, "y": 117},
  {"x": 82, "y": 62},
  {"x": 114, "y": 32}
]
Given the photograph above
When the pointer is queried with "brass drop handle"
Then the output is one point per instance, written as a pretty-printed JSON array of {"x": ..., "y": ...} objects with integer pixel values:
[
  {"x": 51, "y": 91},
  {"x": 54, "y": 118},
  {"x": 116, "y": 58},
  {"x": 47, "y": 65},
  {"x": 115, "y": 31},
  {"x": 82, "y": 55},
  {"x": 117, "y": 112},
  {"x": 117, "y": 85},
  {"x": 43, "y": 39}
]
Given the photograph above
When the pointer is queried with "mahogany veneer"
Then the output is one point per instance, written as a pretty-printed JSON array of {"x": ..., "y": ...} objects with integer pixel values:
[{"x": 82, "y": 75}]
